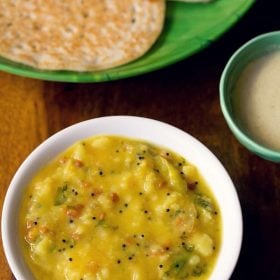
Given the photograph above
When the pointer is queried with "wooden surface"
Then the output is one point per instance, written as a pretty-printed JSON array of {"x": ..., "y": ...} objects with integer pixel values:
[{"x": 184, "y": 95}]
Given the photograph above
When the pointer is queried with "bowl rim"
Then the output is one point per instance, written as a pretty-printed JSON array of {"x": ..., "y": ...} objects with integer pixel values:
[
  {"x": 240, "y": 133},
  {"x": 229, "y": 251}
]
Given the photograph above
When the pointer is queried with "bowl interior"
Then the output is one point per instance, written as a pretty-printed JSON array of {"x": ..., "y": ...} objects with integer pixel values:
[
  {"x": 252, "y": 50},
  {"x": 145, "y": 129}
]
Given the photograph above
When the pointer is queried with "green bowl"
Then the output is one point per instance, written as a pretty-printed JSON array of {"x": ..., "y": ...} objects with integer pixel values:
[{"x": 253, "y": 49}]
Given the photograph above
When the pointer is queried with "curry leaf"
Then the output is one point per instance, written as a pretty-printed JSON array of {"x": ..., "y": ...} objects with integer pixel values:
[{"x": 61, "y": 197}]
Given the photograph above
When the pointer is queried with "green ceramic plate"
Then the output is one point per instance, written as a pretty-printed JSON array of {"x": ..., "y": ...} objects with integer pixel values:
[{"x": 188, "y": 29}]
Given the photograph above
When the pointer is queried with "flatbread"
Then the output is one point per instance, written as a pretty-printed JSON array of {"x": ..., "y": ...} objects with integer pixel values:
[{"x": 80, "y": 35}]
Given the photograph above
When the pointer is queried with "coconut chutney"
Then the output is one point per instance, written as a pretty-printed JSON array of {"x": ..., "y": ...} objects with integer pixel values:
[{"x": 256, "y": 100}]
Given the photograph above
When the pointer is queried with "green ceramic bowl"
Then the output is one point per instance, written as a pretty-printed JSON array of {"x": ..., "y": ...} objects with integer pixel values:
[
  {"x": 189, "y": 27},
  {"x": 253, "y": 49}
]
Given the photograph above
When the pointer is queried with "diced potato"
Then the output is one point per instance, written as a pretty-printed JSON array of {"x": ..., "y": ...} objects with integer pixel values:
[
  {"x": 100, "y": 142},
  {"x": 149, "y": 183},
  {"x": 80, "y": 153},
  {"x": 43, "y": 247},
  {"x": 171, "y": 174},
  {"x": 206, "y": 217},
  {"x": 89, "y": 276},
  {"x": 203, "y": 244},
  {"x": 69, "y": 171},
  {"x": 172, "y": 198},
  {"x": 137, "y": 274},
  {"x": 81, "y": 228},
  {"x": 105, "y": 201},
  {"x": 45, "y": 192},
  {"x": 190, "y": 172},
  {"x": 194, "y": 260},
  {"x": 32, "y": 234}
]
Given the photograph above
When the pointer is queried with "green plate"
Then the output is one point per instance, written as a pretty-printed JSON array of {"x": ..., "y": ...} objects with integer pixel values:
[{"x": 188, "y": 29}]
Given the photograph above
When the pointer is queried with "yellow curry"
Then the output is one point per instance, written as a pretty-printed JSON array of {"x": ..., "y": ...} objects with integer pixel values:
[{"x": 117, "y": 208}]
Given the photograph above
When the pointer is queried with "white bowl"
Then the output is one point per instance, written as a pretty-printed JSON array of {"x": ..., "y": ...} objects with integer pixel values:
[{"x": 150, "y": 130}]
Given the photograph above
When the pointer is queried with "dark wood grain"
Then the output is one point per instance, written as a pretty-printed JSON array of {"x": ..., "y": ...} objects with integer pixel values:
[{"x": 185, "y": 95}]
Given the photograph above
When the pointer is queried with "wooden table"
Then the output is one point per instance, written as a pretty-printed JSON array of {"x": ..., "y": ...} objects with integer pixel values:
[{"x": 185, "y": 95}]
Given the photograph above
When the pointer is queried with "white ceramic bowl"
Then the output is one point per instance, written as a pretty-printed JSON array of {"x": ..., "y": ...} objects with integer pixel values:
[{"x": 150, "y": 130}]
